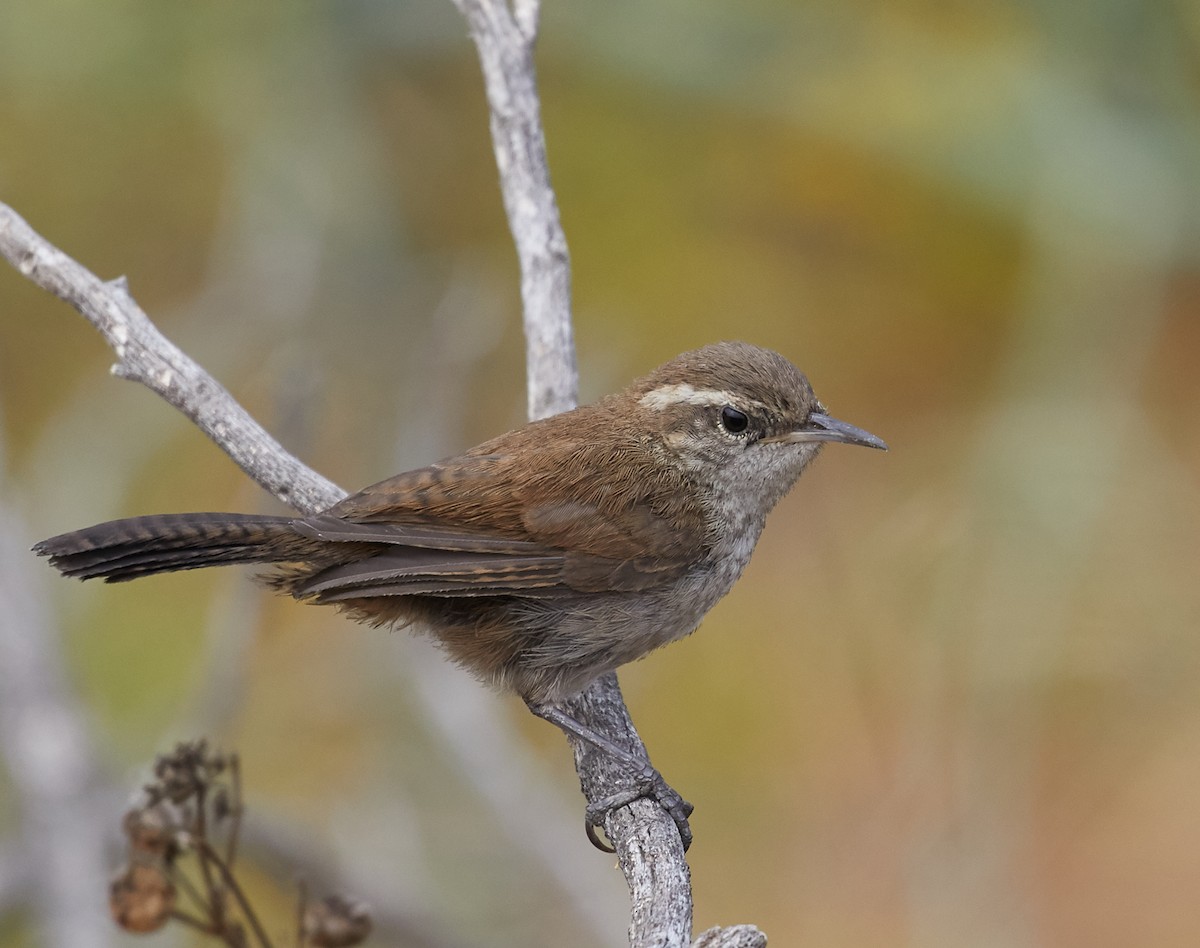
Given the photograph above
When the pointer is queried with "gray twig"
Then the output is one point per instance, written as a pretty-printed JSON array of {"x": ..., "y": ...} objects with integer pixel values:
[
  {"x": 145, "y": 355},
  {"x": 645, "y": 837},
  {"x": 505, "y": 41}
]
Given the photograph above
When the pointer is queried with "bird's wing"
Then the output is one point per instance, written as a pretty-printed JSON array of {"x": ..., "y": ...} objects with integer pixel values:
[
  {"x": 505, "y": 522},
  {"x": 420, "y": 571}
]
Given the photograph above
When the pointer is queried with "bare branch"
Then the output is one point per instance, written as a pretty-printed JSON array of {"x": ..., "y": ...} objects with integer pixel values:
[
  {"x": 145, "y": 355},
  {"x": 505, "y": 42},
  {"x": 645, "y": 837}
]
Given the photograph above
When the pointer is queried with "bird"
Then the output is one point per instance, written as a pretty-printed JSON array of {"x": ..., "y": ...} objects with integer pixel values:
[{"x": 544, "y": 557}]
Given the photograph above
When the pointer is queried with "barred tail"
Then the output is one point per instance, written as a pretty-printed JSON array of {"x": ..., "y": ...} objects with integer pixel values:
[{"x": 121, "y": 550}]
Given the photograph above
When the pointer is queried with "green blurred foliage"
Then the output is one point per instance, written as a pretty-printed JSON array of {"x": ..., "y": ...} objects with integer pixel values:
[{"x": 953, "y": 700}]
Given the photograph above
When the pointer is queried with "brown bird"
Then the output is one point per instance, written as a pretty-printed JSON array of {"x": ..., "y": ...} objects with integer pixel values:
[{"x": 544, "y": 557}]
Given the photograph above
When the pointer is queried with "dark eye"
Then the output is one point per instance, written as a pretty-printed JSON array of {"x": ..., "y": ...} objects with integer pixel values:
[{"x": 733, "y": 420}]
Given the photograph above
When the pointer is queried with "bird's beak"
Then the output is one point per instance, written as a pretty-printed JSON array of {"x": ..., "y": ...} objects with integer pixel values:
[{"x": 823, "y": 428}]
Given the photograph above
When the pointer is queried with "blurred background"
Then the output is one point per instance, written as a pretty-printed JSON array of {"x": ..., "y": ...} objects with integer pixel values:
[{"x": 954, "y": 699}]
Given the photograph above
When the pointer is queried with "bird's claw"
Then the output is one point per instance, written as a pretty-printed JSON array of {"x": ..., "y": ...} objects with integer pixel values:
[{"x": 651, "y": 785}]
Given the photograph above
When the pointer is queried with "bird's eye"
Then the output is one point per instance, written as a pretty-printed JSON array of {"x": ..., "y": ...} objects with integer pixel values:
[{"x": 733, "y": 421}]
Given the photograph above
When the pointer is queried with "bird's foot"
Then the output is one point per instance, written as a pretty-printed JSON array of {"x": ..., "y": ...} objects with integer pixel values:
[
  {"x": 647, "y": 782},
  {"x": 651, "y": 785}
]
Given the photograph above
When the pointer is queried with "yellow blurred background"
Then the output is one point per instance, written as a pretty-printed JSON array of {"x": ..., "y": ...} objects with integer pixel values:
[{"x": 954, "y": 700}]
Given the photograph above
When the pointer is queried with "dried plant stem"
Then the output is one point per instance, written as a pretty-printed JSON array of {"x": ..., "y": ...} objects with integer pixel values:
[
  {"x": 207, "y": 854},
  {"x": 236, "y": 810}
]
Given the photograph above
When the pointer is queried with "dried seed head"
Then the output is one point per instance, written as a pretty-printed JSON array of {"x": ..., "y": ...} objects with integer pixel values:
[
  {"x": 190, "y": 768},
  {"x": 141, "y": 898},
  {"x": 151, "y": 829}
]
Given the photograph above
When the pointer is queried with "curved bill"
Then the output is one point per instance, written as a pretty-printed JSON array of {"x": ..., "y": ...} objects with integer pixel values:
[{"x": 823, "y": 428}]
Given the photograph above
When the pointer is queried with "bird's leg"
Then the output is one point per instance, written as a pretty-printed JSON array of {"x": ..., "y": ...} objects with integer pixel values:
[{"x": 648, "y": 782}]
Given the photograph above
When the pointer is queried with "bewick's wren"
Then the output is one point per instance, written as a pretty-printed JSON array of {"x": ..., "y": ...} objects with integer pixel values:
[{"x": 547, "y": 556}]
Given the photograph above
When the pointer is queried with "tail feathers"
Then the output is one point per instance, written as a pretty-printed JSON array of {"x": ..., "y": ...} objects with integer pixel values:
[{"x": 121, "y": 550}]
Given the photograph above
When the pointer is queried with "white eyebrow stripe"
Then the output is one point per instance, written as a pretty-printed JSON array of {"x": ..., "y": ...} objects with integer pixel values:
[{"x": 680, "y": 393}]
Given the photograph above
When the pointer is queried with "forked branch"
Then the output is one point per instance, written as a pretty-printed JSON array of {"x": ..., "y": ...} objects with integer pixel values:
[{"x": 644, "y": 836}]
